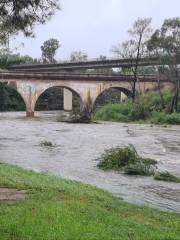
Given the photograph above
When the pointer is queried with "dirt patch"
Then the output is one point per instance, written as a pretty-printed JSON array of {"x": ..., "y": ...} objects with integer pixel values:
[{"x": 11, "y": 195}]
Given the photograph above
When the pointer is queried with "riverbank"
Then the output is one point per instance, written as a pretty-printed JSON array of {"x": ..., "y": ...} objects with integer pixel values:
[{"x": 55, "y": 208}]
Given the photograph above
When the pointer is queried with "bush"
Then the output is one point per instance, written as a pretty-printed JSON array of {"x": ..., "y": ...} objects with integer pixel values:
[
  {"x": 148, "y": 106},
  {"x": 114, "y": 112},
  {"x": 139, "y": 112},
  {"x": 165, "y": 118},
  {"x": 166, "y": 176},
  {"x": 126, "y": 159}
]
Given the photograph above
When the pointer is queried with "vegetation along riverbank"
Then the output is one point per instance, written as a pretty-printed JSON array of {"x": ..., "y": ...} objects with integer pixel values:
[{"x": 148, "y": 108}]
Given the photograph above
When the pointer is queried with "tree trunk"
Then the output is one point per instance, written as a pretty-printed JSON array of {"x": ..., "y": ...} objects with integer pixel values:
[{"x": 136, "y": 69}]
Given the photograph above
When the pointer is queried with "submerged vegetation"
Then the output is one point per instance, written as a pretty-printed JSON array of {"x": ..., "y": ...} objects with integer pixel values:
[
  {"x": 126, "y": 159},
  {"x": 147, "y": 108},
  {"x": 166, "y": 176},
  {"x": 55, "y": 208},
  {"x": 47, "y": 144}
]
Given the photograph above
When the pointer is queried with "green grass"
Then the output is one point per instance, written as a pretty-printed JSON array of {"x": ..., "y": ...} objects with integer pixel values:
[
  {"x": 166, "y": 176},
  {"x": 59, "y": 209}
]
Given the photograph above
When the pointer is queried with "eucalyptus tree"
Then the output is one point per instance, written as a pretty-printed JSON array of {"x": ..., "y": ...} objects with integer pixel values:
[
  {"x": 165, "y": 43},
  {"x": 49, "y": 49}
]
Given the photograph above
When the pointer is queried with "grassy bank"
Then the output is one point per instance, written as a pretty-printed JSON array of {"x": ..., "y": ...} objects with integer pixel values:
[
  {"x": 59, "y": 209},
  {"x": 147, "y": 108}
]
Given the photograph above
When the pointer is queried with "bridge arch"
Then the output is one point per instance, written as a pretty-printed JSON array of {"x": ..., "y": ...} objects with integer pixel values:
[
  {"x": 110, "y": 92},
  {"x": 75, "y": 97}
]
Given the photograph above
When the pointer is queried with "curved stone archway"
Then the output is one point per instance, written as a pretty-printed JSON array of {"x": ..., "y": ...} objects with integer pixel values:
[
  {"x": 105, "y": 96},
  {"x": 68, "y": 95}
]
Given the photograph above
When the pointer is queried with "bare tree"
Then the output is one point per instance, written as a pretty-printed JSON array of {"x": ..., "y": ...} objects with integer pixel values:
[{"x": 135, "y": 48}]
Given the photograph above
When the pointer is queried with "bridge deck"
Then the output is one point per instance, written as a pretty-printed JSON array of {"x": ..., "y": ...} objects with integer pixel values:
[
  {"x": 91, "y": 64},
  {"x": 80, "y": 77}
]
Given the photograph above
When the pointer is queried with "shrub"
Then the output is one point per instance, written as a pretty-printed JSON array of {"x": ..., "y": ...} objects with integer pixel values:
[
  {"x": 139, "y": 112},
  {"x": 116, "y": 158},
  {"x": 126, "y": 159},
  {"x": 114, "y": 112},
  {"x": 165, "y": 118}
]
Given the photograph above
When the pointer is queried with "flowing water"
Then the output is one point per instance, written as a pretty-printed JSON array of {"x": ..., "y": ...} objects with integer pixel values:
[{"x": 77, "y": 146}]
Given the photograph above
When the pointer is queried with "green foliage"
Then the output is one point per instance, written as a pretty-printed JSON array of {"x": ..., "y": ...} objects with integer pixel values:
[
  {"x": 165, "y": 118},
  {"x": 139, "y": 168},
  {"x": 140, "y": 111},
  {"x": 19, "y": 15},
  {"x": 114, "y": 112},
  {"x": 148, "y": 107},
  {"x": 49, "y": 49},
  {"x": 128, "y": 160},
  {"x": 165, "y": 44},
  {"x": 55, "y": 208},
  {"x": 10, "y": 100},
  {"x": 7, "y": 60},
  {"x": 166, "y": 176}
]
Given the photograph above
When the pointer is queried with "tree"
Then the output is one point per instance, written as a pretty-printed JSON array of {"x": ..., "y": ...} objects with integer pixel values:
[
  {"x": 21, "y": 15},
  {"x": 49, "y": 49},
  {"x": 135, "y": 48},
  {"x": 165, "y": 43},
  {"x": 8, "y": 59},
  {"x": 78, "y": 56}
]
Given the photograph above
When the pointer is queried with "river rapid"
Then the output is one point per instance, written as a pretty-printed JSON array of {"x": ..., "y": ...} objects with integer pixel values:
[{"x": 77, "y": 146}]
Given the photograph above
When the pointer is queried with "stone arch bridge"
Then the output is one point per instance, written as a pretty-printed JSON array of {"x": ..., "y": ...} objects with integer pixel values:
[{"x": 87, "y": 86}]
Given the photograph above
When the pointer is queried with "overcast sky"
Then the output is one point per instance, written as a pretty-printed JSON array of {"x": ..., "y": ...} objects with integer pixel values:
[{"x": 93, "y": 26}]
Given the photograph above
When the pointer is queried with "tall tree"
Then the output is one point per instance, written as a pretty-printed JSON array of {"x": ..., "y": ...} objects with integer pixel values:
[
  {"x": 165, "y": 43},
  {"x": 135, "y": 48},
  {"x": 49, "y": 49}
]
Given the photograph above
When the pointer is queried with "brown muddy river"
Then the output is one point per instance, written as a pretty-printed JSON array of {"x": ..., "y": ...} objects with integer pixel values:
[{"x": 78, "y": 145}]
